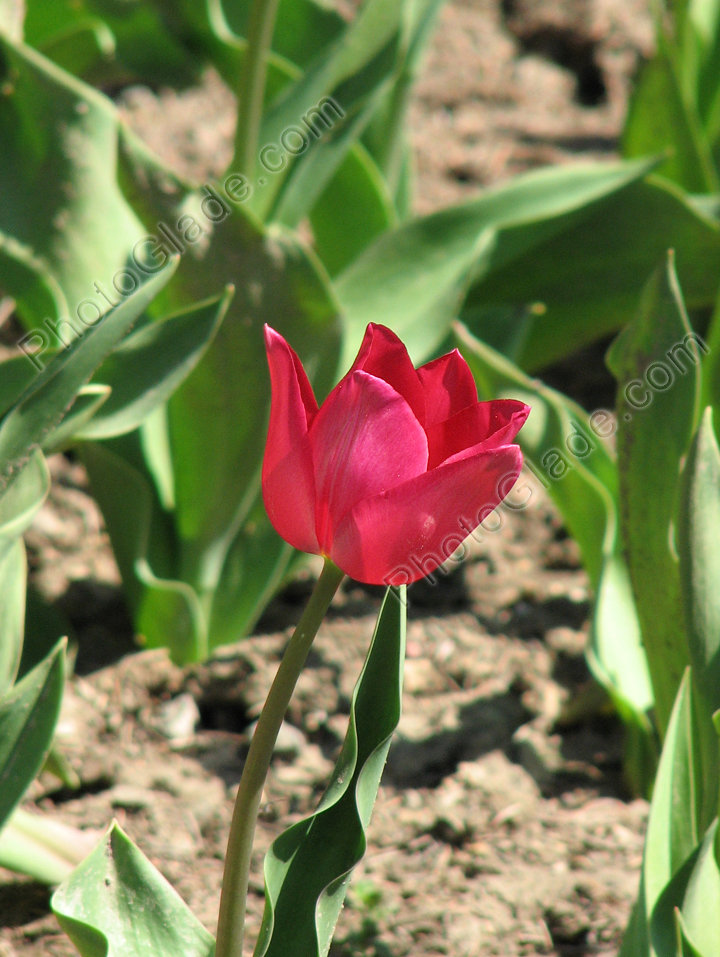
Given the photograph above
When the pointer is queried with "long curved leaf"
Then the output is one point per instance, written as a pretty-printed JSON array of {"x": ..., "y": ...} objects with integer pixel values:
[
  {"x": 308, "y": 868},
  {"x": 28, "y": 714}
]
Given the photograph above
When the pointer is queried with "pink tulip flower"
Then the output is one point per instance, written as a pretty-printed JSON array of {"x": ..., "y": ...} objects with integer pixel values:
[{"x": 395, "y": 469}]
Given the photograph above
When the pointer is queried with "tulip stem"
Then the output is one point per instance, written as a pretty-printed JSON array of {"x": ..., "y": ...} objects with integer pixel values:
[
  {"x": 261, "y": 26},
  {"x": 231, "y": 920}
]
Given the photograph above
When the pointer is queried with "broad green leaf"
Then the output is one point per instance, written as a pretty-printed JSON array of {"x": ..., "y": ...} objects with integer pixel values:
[
  {"x": 353, "y": 209},
  {"x": 617, "y": 660},
  {"x": 19, "y": 504},
  {"x": 698, "y": 537},
  {"x": 13, "y": 584},
  {"x": 657, "y": 366},
  {"x": 254, "y": 569},
  {"x": 663, "y": 929},
  {"x": 684, "y": 798},
  {"x": 561, "y": 445},
  {"x": 139, "y": 35},
  {"x": 308, "y": 868},
  {"x": 302, "y": 28},
  {"x": 60, "y": 196},
  {"x": 685, "y": 947},
  {"x": 28, "y": 713},
  {"x": 16, "y": 374},
  {"x": 416, "y": 278},
  {"x": 701, "y": 906},
  {"x": 35, "y": 289},
  {"x": 41, "y": 847},
  {"x": 584, "y": 283},
  {"x": 41, "y": 407},
  {"x": 117, "y": 904},
  {"x": 22, "y": 497},
  {"x": 148, "y": 365},
  {"x": 661, "y": 120},
  {"x": 85, "y": 48}
]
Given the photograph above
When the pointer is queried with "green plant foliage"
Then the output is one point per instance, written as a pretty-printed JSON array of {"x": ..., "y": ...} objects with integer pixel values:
[
  {"x": 698, "y": 537},
  {"x": 28, "y": 714},
  {"x": 676, "y": 104},
  {"x": 683, "y": 807},
  {"x": 655, "y": 425},
  {"x": 40, "y": 408},
  {"x": 19, "y": 503},
  {"x": 58, "y": 161},
  {"x": 308, "y": 868},
  {"x": 662, "y": 119},
  {"x": 149, "y": 365},
  {"x": 117, "y": 904}
]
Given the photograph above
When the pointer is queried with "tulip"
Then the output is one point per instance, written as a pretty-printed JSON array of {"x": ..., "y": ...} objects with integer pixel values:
[{"x": 395, "y": 469}]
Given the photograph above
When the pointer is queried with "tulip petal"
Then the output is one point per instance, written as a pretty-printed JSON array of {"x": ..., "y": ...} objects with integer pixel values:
[
  {"x": 485, "y": 424},
  {"x": 365, "y": 440},
  {"x": 402, "y": 535},
  {"x": 293, "y": 405},
  {"x": 383, "y": 355},
  {"x": 289, "y": 497},
  {"x": 449, "y": 387}
]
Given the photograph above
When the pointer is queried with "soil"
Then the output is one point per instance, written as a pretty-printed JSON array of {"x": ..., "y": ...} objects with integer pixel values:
[{"x": 503, "y": 825}]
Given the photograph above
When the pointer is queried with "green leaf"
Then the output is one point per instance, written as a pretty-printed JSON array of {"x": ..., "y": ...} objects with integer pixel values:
[
  {"x": 352, "y": 69},
  {"x": 308, "y": 868},
  {"x": 117, "y": 904},
  {"x": 35, "y": 289},
  {"x": 353, "y": 209},
  {"x": 416, "y": 278},
  {"x": 302, "y": 28},
  {"x": 148, "y": 366},
  {"x": 657, "y": 366},
  {"x": 28, "y": 714},
  {"x": 19, "y": 504},
  {"x": 698, "y": 537},
  {"x": 584, "y": 282},
  {"x": 16, "y": 374},
  {"x": 21, "y": 498},
  {"x": 84, "y": 48},
  {"x": 254, "y": 569},
  {"x": 662, "y": 120},
  {"x": 617, "y": 660},
  {"x": 137, "y": 35},
  {"x": 41, "y": 407},
  {"x": 701, "y": 906},
  {"x": 685, "y": 795},
  {"x": 61, "y": 201}
]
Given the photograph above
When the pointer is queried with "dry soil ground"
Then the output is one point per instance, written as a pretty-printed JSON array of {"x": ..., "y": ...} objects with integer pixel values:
[{"x": 502, "y": 826}]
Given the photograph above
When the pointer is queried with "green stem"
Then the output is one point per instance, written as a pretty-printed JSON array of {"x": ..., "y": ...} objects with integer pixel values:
[
  {"x": 261, "y": 26},
  {"x": 231, "y": 921}
]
